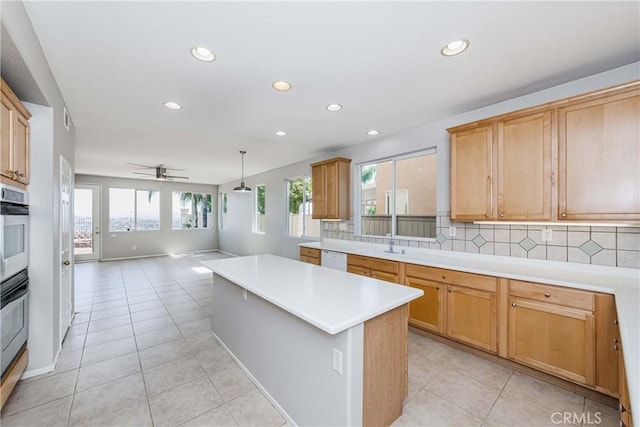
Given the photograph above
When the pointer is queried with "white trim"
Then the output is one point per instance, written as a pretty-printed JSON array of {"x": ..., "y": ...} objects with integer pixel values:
[
  {"x": 44, "y": 370},
  {"x": 157, "y": 255}
]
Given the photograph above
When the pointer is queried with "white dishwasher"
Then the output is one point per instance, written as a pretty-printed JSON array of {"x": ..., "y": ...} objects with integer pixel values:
[{"x": 335, "y": 260}]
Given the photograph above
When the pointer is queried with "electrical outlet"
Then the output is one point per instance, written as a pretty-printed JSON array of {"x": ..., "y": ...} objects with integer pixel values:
[
  {"x": 452, "y": 231},
  {"x": 244, "y": 294},
  {"x": 547, "y": 234},
  {"x": 133, "y": 248},
  {"x": 337, "y": 360}
]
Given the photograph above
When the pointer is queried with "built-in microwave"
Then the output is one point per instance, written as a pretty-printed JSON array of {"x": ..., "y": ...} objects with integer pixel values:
[{"x": 14, "y": 223}]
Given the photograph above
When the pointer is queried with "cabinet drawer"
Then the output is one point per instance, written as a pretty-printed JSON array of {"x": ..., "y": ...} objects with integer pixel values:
[
  {"x": 313, "y": 253},
  {"x": 362, "y": 271},
  {"x": 374, "y": 263},
  {"x": 310, "y": 260},
  {"x": 383, "y": 275},
  {"x": 583, "y": 300},
  {"x": 470, "y": 280}
]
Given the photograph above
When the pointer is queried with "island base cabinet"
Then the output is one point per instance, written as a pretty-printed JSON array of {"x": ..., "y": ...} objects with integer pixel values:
[
  {"x": 624, "y": 407},
  {"x": 472, "y": 317},
  {"x": 385, "y": 367},
  {"x": 559, "y": 340}
]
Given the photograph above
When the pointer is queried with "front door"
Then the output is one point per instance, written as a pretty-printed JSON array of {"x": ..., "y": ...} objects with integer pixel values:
[
  {"x": 86, "y": 212},
  {"x": 66, "y": 256}
]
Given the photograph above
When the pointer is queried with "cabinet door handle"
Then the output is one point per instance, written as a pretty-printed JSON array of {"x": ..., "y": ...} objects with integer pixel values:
[
  {"x": 450, "y": 290},
  {"x": 438, "y": 287},
  {"x": 513, "y": 304},
  {"x": 501, "y": 215},
  {"x": 444, "y": 277},
  {"x": 486, "y": 215},
  {"x": 547, "y": 295},
  {"x": 18, "y": 173},
  {"x": 615, "y": 347},
  {"x": 615, "y": 321},
  {"x": 615, "y": 340},
  {"x": 563, "y": 215}
]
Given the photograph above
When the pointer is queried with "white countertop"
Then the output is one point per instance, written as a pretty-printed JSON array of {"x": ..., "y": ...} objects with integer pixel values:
[
  {"x": 624, "y": 283},
  {"x": 331, "y": 300}
]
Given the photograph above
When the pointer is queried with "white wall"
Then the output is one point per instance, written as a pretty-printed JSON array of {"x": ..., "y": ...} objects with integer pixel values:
[
  {"x": 237, "y": 236},
  {"x": 160, "y": 242},
  {"x": 49, "y": 140}
]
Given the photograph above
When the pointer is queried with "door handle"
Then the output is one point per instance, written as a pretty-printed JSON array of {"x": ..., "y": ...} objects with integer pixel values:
[{"x": 66, "y": 262}]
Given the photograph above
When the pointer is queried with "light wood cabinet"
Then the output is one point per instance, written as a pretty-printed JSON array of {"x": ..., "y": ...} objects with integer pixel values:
[
  {"x": 14, "y": 138},
  {"x": 501, "y": 169},
  {"x": 559, "y": 339},
  {"x": 524, "y": 167},
  {"x": 310, "y": 255},
  {"x": 331, "y": 189},
  {"x": 427, "y": 312},
  {"x": 462, "y": 306},
  {"x": 471, "y": 174},
  {"x": 472, "y": 317},
  {"x": 599, "y": 154},
  {"x": 624, "y": 406},
  {"x": 390, "y": 271},
  {"x": 572, "y": 159},
  {"x": 607, "y": 345}
]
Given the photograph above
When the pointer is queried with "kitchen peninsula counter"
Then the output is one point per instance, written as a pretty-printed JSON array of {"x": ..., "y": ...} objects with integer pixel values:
[{"x": 327, "y": 347}]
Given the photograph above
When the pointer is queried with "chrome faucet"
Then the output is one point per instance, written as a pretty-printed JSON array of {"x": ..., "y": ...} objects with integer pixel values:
[{"x": 390, "y": 251}]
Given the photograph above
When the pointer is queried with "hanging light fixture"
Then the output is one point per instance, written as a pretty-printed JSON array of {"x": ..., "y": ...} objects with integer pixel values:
[{"x": 242, "y": 188}]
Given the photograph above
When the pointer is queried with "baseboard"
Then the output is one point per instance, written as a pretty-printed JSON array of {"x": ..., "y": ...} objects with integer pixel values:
[
  {"x": 227, "y": 253},
  {"x": 28, "y": 373},
  {"x": 253, "y": 379},
  {"x": 159, "y": 255}
]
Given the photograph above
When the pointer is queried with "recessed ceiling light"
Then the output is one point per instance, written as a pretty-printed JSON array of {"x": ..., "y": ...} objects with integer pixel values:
[
  {"x": 202, "y": 53},
  {"x": 455, "y": 47},
  {"x": 172, "y": 105},
  {"x": 373, "y": 132},
  {"x": 281, "y": 133},
  {"x": 281, "y": 85},
  {"x": 334, "y": 107}
]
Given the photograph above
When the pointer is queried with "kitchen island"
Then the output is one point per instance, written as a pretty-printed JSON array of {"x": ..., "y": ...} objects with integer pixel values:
[{"x": 326, "y": 347}]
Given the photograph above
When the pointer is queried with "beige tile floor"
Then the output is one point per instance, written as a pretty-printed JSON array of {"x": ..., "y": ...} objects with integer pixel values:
[{"x": 140, "y": 352}]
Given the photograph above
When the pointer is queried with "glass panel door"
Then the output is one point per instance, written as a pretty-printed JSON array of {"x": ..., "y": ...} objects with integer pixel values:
[{"x": 86, "y": 233}]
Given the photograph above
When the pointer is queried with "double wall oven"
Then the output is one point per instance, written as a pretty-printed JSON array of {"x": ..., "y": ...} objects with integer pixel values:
[{"x": 14, "y": 262}]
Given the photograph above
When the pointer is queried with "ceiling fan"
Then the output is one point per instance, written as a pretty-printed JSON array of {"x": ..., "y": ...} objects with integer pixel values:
[{"x": 160, "y": 172}]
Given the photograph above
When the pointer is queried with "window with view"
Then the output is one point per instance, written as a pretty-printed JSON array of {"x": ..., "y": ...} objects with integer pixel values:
[
  {"x": 190, "y": 210},
  {"x": 223, "y": 210},
  {"x": 260, "y": 209},
  {"x": 398, "y": 196},
  {"x": 131, "y": 209},
  {"x": 300, "y": 204}
]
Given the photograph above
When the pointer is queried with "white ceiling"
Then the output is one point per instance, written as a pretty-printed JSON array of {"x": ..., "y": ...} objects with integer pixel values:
[{"x": 117, "y": 62}]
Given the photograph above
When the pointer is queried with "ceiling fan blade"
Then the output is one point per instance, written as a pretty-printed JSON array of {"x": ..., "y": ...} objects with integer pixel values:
[
  {"x": 142, "y": 166},
  {"x": 176, "y": 176},
  {"x": 142, "y": 173},
  {"x": 172, "y": 169}
]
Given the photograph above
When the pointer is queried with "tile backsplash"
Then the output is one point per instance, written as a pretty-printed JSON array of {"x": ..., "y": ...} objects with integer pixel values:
[{"x": 612, "y": 246}]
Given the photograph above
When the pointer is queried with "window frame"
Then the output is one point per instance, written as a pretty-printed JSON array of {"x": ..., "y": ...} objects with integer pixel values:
[
  {"x": 254, "y": 227},
  {"x": 210, "y": 224},
  {"x": 304, "y": 220},
  {"x": 223, "y": 204},
  {"x": 357, "y": 199},
  {"x": 134, "y": 227}
]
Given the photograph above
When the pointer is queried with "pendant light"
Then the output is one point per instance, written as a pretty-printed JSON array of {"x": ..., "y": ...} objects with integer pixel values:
[{"x": 242, "y": 188}]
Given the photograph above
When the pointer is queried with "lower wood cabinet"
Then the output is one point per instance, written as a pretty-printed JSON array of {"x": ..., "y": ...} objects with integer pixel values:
[
  {"x": 624, "y": 407},
  {"x": 310, "y": 255},
  {"x": 427, "y": 312},
  {"x": 472, "y": 317},
  {"x": 390, "y": 271},
  {"x": 462, "y": 306},
  {"x": 608, "y": 347}
]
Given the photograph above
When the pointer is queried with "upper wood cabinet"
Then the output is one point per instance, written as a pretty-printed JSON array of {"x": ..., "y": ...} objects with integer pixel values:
[
  {"x": 599, "y": 154},
  {"x": 501, "y": 170},
  {"x": 573, "y": 159},
  {"x": 331, "y": 189},
  {"x": 14, "y": 138},
  {"x": 471, "y": 174}
]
